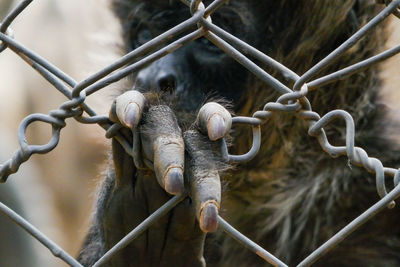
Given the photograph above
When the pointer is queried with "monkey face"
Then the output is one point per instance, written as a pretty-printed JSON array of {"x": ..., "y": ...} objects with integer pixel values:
[
  {"x": 291, "y": 196},
  {"x": 195, "y": 72}
]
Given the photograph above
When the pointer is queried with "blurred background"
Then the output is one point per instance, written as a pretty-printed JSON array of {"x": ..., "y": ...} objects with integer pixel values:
[{"x": 55, "y": 191}]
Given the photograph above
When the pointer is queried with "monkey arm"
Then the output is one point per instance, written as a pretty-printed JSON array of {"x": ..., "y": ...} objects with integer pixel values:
[{"x": 129, "y": 194}]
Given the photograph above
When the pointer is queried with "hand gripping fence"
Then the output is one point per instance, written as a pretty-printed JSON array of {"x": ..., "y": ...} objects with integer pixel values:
[{"x": 291, "y": 100}]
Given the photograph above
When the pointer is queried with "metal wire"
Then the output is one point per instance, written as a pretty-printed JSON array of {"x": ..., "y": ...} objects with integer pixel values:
[
  {"x": 160, "y": 212},
  {"x": 54, "y": 248},
  {"x": 291, "y": 100}
]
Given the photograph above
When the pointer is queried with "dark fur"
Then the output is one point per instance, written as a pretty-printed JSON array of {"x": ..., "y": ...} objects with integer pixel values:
[{"x": 292, "y": 197}]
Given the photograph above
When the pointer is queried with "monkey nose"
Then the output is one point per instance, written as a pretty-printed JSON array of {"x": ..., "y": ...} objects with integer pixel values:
[
  {"x": 166, "y": 82},
  {"x": 157, "y": 79}
]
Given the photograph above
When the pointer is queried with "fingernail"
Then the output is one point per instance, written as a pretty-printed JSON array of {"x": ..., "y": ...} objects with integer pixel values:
[
  {"x": 132, "y": 115},
  {"x": 209, "y": 218},
  {"x": 216, "y": 127},
  {"x": 174, "y": 181}
]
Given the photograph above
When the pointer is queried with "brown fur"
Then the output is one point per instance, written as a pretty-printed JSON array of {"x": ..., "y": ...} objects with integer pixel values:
[
  {"x": 294, "y": 194},
  {"x": 292, "y": 197}
]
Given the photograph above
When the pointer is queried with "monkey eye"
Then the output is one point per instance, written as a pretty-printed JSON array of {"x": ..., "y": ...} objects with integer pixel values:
[
  {"x": 209, "y": 46},
  {"x": 143, "y": 36}
]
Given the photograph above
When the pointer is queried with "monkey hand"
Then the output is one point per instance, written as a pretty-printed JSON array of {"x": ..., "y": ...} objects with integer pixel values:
[{"x": 164, "y": 162}]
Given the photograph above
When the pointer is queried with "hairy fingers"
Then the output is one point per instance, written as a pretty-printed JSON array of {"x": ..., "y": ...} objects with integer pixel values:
[
  {"x": 163, "y": 145},
  {"x": 204, "y": 163},
  {"x": 161, "y": 138},
  {"x": 203, "y": 179},
  {"x": 163, "y": 149}
]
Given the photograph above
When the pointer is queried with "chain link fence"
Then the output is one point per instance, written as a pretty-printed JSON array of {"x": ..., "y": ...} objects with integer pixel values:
[{"x": 292, "y": 100}]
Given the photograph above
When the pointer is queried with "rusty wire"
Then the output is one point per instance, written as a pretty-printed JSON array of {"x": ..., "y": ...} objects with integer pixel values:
[{"x": 291, "y": 100}]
